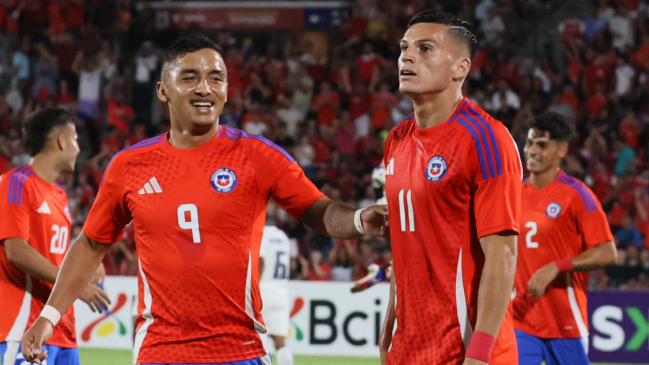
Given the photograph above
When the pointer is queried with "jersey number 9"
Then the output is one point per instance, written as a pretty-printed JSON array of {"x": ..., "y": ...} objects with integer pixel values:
[{"x": 192, "y": 223}]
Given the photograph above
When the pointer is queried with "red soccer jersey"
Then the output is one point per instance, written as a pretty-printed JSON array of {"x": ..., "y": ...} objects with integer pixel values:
[
  {"x": 198, "y": 216},
  {"x": 33, "y": 209},
  {"x": 447, "y": 186},
  {"x": 559, "y": 221}
]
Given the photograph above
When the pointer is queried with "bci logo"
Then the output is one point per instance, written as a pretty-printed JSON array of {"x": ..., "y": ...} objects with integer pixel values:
[
  {"x": 606, "y": 320},
  {"x": 322, "y": 319}
]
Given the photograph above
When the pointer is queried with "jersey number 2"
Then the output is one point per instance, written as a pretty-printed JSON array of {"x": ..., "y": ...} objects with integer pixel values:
[
  {"x": 60, "y": 239},
  {"x": 531, "y": 233},
  {"x": 192, "y": 223}
]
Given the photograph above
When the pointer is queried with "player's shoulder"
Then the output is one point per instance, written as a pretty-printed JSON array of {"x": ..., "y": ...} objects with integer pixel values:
[
  {"x": 255, "y": 142},
  {"x": 477, "y": 123},
  {"x": 578, "y": 192},
  {"x": 15, "y": 182},
  {"x": 402, "y": 128},
  {"x": 128, "y": 153}
]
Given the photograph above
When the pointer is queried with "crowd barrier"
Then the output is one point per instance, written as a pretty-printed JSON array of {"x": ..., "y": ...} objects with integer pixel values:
[{"x": 327, "y": 319}]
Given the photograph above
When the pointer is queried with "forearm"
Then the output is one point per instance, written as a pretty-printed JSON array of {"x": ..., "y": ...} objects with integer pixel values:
[
  {"x": 388, "y": 322},
  {"x": 77, "y": 270},
  {"x": 496, "y": 282},
  {"x": 596, "y": 257},
  {"x": 25, "y": 257},
  {"x": 331, "y": 218}
]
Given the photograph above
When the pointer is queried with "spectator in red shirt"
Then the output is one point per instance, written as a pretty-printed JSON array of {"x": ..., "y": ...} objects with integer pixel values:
[
  {"x": 597, "y": 101},
  {"x": 326, "y": 104},
  {"x": 367, "y": 65},
  {"x": 571, "y": 30},
  {"x": 630, "y": 129},
  {"x": 360, "y": 100},
  {"x": 354, "y": 27},
  {"x": 318, "y": 270},
  {"x": 382, "y": 102},
  {"x": 120, "y": 114},
  {"x": 597, "y": 72}
]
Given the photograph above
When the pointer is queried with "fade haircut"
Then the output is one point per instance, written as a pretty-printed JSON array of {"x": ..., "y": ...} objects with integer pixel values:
[
  {"x": 40, "y": 124},
  {"x": 460, "y": 29},
  {"x": 559, "y": 128},
  {"x": 187, "y": 44}
]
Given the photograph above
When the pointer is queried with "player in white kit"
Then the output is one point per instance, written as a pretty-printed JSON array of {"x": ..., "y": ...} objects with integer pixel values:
[{"x": 274, "y": 266}]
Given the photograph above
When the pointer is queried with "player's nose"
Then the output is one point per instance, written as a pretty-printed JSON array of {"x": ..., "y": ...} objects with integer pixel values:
[{"x": 202, "y": 88}]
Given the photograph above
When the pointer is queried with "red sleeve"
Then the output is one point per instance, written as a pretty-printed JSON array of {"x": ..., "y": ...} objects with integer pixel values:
[
  {"x": 592, "y": 224},
  {"x": 109, "y": 214},
  {"x": 294, "y": 192},
  {"x": 18, "y": 225},
  {"x": 497, "y": 190}
]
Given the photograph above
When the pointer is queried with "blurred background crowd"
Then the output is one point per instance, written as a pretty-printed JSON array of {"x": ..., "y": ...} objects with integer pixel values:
[{"x": 330, "y": 98}]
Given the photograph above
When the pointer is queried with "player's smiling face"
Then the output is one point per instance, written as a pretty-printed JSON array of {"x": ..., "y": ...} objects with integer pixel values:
[
  {"x": 543, "y": 153},
  {"x": 196, "y": 88},
  {"x": 430, "y": 59}
]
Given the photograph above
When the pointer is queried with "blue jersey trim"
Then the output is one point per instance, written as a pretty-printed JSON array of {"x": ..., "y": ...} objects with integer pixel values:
[
  {"x": 485, "y": 141},
  {"x": 235, "y": 134},
  {"x": 478, "y": 144},
  {"x": 493, "y": 139},
  {"x": 585, "y": 195},
  {"x": 145, "y": 143},
  {"x": 12, "y": 183}
]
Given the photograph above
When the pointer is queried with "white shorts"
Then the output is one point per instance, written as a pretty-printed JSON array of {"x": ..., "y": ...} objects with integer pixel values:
[{"x": 275, "y": 311}]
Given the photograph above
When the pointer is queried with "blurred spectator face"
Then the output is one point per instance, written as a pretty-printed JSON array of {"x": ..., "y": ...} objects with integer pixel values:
[
  {"x": 196, "y": 88},
  {"x": 367, "y": 48},
  {"x": 632, "y": 252},
  {"x": 542, "y": 153},
  {"x": 644, "y": 256},
  {"x": 627, "y": 222},
  {"x": 431, "y": 60}
]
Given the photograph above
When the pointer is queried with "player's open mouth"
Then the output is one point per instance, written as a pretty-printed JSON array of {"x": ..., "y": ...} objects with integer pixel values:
[
  {"x": 404, "y": 74},
  {"x": 203, "y": 106}
]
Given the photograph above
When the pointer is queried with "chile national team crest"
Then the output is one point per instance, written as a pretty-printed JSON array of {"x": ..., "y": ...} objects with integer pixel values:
[
  {"x": 436, "y": 168},
  {"x": 553, "y": 210},
  {"x": 224, "y": 180}
]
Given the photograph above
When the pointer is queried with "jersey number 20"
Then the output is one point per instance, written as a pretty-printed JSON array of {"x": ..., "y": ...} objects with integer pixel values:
[
  {"x": 59, "y": 240},
  {"x": 192, "y": 223}
]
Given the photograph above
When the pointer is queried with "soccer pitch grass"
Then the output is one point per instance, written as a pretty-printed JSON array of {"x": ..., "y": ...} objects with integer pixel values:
[{"x": 123, "y": 357}]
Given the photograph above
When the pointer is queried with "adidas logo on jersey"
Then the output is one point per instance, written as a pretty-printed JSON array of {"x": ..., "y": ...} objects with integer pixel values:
[
  {"x": 389, "y": 169},
  {"x": 151, "y": 187},
  {"x": 44, "y": 209}
]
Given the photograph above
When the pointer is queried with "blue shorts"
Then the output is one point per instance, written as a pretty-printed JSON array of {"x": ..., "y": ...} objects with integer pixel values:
[
  {"x": 555, "y": 351},
  {"x": 11, "y": 354},
  {"x": 265, "y": 360}
]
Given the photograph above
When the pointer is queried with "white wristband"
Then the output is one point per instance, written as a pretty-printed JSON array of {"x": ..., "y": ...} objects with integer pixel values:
[
  {"x": 358, "y": 222},
  {"x": 51, "y": 314}
]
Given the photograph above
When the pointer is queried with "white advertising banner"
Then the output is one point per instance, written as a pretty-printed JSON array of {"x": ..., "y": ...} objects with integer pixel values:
[{"x": 326, "y": 318}]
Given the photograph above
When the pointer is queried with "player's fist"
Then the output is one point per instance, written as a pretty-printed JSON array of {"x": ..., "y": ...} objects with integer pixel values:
[
  {"x": 34, "y": 339},
  {"x": 541, "y": 279},
  {"x": 375, "y": 220}
]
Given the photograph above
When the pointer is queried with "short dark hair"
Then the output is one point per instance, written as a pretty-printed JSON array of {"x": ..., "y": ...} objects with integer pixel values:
[
  {"x": 40, "y": 124},
  {"x": 460, "y": 29},
  {"x": 555, "y": 124},
  {"x": 187, "y": 44}
]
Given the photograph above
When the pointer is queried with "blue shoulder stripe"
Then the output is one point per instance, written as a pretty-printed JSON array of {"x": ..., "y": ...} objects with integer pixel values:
[
  {"x": 585, "y": 195},
  {"x": 19, "y": 181},
  {"x": 526, "y": 179},
  {"x": 478, "y": 145},
  {"x": 13, "y": 183},
  {"x": 235, "y": 134},
  {"x": 459, "y": 111},
  {"x": 485, "y": 141},
  {"x": 145, "y": 143},
  {"x": 493, "y": 139},
  {"x": 411, "y": 116}
]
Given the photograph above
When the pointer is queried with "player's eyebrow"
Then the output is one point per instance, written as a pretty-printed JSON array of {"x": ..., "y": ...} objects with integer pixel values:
[
  {"x": 418, "y": 41},
  {"x": 193, "y": 71}
]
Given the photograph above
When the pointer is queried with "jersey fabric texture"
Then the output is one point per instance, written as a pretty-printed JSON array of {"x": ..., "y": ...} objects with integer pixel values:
[
  {"x": 447, "y": 187},
  {"x": 554, "y": 351},
  {"x": 275, "y": 250},
  {"x": 198, "y": 216},
  {"x": 33, "y": 209},
  {"x": 11, "y": 354},
  {"x": 561, "y": 220}
]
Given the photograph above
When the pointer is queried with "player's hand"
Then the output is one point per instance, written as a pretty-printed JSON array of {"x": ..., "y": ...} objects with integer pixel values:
[
  {"x": 541, "y": 279},
  {"x": 470, "y": 361},
  {"x": 375, "y": 220},
  {"x": 95, "y": 297},
  {"x": 100, "y": 275},
  {"x": 34, "y": 339}
]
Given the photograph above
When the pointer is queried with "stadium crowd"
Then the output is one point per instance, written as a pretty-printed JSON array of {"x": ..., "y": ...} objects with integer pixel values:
[{"x": 333, "y": 109}]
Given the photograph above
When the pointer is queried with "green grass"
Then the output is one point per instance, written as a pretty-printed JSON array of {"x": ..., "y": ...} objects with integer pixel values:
[{"x": 123, "y": 357}]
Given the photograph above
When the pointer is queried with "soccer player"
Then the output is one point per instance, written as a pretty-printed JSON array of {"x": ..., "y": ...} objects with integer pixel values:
[
  {"x": 274, "y": 271},
  {"x": 196, "y": 197},
  {"x": 35, "y": 226},
  {"x": 564, "y": 233},
  {"x": 453, "y": 185}
]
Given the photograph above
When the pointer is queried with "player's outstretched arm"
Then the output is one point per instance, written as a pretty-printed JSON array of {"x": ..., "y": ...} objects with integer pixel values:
[
  {"x": 496, "y": 285},
  {"x": 336, "y": 219},
  {"x": 79, "y": 266},
  {"x": 388, "y": 324},
  {"x": 595, "y": 258}
]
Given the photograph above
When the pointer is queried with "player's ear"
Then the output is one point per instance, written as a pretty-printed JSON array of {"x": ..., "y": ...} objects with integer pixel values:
[
  {"x": 563, "y": 149},
  {"x": 60, "y": 141},
  {"x": 461, "y": 69},
  {"x": 162, "y": 93}
]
